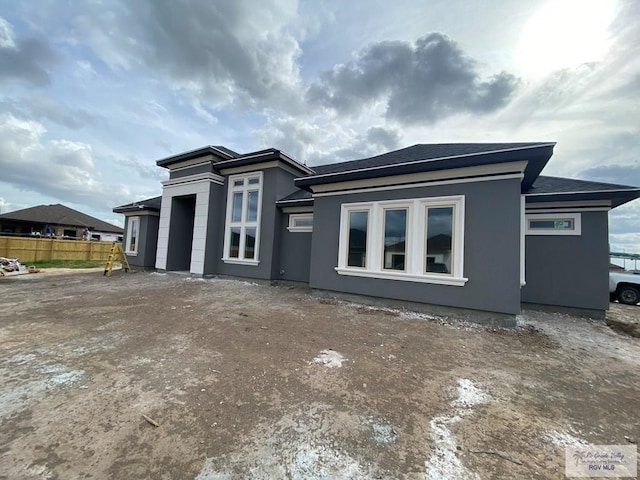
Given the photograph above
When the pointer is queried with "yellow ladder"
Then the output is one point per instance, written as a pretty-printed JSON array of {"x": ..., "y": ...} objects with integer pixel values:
[{"x": 116, "y": 254}]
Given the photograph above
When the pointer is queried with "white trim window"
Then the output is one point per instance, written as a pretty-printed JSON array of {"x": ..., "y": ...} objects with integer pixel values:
[
  {"x": 133, "y": 235},
  {"x": 242, "y": 227},
  {"x": 417, "y": 240},
  {"x": 554, "y": 224},
  {"x": 300, "y": 222}
]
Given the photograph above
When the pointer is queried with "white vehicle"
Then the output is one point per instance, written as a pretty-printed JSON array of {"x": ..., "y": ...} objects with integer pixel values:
[{"x": 624, "y": 287}]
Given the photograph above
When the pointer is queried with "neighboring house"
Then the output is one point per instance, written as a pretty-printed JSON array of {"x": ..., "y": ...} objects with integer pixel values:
[
  {"x": 58, "y": 221},
  {"x": 470, "y": 226}
]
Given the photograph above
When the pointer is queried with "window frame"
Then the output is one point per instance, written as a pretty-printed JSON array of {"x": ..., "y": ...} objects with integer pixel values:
[
  {"x": 416, "y": 240},
  {"x": 384, "y": 207},
  {"x": 576, "y": 217},
  {"x": 243, "y": 224},
  {"x": 294, "y": 217},
  {"x": 131, "y": 220}
]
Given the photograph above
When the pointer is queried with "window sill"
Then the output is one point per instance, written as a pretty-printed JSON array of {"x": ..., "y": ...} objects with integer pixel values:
[
  {"x": 405, "y": 277},
  {"x": 236, "y": 261},
  {"x": 131, "y": 254},
  {"x": 300, "y": 229}
]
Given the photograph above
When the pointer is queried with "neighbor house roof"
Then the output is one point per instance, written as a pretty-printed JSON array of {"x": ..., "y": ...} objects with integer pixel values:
[
  {"x": 59, "y": 214},
  {"x": 148, "y": 204},
  {"x": 553, "y": 189},
  {"x": 431, "y": 157}
]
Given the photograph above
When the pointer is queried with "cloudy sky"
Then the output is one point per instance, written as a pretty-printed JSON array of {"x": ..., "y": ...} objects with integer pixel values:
[{"x": 93, "y": 92}]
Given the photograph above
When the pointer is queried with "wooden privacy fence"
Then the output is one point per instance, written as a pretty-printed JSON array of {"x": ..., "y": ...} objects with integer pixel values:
[{"x": 34, "y": 249}]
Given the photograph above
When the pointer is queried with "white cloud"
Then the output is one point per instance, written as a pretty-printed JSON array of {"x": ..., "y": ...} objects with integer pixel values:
[
  {"x": 59, "y": 168},
  {"x": 7, "y": 37}
]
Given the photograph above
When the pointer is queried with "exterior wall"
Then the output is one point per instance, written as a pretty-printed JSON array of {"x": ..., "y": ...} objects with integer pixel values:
[
  {"x": 201, "y": 189},
  {"x": 295, "y": 253},
  {"x": 491, "y": 248},
  {"x": 570, "y": 270},
  {"x": 215, "y": 229},
  {"x": 185, "y": 172},
  {"x": 147, "y": 240},
  {"x": 181, "y": 227},
  {"x": 277, "y": 184}
]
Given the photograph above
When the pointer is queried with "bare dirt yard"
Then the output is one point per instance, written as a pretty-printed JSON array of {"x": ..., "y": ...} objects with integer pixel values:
[{"x": 262, "y": 382}]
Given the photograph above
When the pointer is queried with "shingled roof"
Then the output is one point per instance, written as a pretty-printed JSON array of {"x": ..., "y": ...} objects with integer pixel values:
[
  {"x": 423, "y": 152},
  {"x": 432, "y": 157},
  {"x": 547, "y": 189},
  {"x": 59, "y": 214}
]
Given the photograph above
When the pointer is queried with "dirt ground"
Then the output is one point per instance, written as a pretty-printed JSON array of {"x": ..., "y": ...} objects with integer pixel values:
[{"x": 261, "y": 382}]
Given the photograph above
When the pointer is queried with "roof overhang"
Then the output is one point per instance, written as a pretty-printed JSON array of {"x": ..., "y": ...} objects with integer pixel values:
[
  {"x": 193, "y": 154},
  {"x": 300, "y": 202},
  {"x": 536, "y": 157},
  {"x": 150, "y": 204},
  {"x": 615, "y": 197},
  {"x": 263, "y": 156}
]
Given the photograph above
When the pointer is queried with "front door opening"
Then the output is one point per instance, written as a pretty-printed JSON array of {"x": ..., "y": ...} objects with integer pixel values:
[{"x": 183, "y": 210}]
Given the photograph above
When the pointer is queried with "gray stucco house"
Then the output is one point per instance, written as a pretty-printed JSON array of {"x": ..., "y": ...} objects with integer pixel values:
[{"x": 471, "y": 226}]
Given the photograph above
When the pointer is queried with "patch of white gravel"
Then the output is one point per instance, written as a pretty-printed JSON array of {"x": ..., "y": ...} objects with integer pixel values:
[
  {"x": 209, "y": 473},
  {"x": 468, "y": 394},
  {"x": 329, "y": 358},
  {"x": 319, "y": 462},
  {"x": 444, "y": 464},
  {"x": 564, "y": 439},
  {"x": 383, "y": 432},
  {"x": 593, "y": 336}
]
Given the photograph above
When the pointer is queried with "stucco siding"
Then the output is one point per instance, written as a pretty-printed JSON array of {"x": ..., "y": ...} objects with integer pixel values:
[
  {"x": 491, "y": 248},
  {"x": 295, "y": 253},
  {"x": 276, "y": 184},
  {"x": 147, "y": 241},
  {"x": 570, "y": 270},
  {"x": 185, "y": 172}
]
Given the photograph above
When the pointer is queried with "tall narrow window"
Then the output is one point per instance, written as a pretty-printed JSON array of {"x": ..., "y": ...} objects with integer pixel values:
[
  {"x": 243, "y": 219},
  {"x": 357, "y": 252},
  {"x": 395, "y": 239},
  {"x": 133, "y": 227},
  {"x": 439, "y": 240}
]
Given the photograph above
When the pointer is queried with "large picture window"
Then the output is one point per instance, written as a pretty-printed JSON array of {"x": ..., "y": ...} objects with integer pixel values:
[
  {"x": 243, "y": 219},
  {"x": 419, "y": 240},
  {"x": 133, "y": 232}
]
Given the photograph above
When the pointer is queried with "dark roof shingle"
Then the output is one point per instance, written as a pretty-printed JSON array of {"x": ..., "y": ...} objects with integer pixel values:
[
  {"x": 58, "y": 214},
  {"x": 421, "y": 152},
  {"x": 544, "y": 184}
]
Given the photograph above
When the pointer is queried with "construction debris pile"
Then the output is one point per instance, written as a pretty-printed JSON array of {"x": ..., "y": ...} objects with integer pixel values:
[{"x": 11, "y": 265}]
